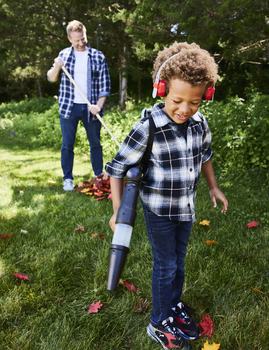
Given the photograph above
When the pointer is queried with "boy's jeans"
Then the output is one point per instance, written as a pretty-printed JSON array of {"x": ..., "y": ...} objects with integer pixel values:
[
  {"x": 169, "y": 241},
  {"x": 69, "y": 129}
]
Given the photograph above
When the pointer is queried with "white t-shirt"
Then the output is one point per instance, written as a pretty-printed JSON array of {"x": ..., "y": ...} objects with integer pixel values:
[{"x": 80, "y": 74}]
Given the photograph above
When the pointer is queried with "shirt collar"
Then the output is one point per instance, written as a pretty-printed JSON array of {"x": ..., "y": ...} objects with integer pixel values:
[{"x": 161, "y": 119}]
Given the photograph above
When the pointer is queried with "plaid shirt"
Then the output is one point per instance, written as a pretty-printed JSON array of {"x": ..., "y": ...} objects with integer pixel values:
[
  {"x": 98, "y": 80},
  {"x": 169, "y": 184}
]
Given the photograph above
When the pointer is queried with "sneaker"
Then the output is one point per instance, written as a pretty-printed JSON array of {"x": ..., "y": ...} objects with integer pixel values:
[
  {"x": 68, "y": 185},
  {"x": 187, "y": 327},
  {"x": 167, "y": 335}
]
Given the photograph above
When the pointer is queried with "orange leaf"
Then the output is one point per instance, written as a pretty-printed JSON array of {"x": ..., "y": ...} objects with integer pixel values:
[
  {"x": 129, "y": 285},
  {"x": 210, "y": 242},
  {"x": 207, "y": 326},
  {"x": 257, "y": 290},
  {"x": 95, "y": 307},
  {"x": 6, "y": 235},
  {"x": 213, "y": 346},
  {"x": 204, "y": 223}
]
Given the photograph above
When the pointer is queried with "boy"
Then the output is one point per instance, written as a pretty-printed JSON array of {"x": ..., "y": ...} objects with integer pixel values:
[{"x": 180, "y": 151}]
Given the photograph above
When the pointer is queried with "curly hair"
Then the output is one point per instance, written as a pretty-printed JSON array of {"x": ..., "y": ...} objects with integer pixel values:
[{"x": 190, "y": 63}]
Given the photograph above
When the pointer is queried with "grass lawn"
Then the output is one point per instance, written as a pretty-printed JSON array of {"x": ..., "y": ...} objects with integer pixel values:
[{"x": 68, "y": 269}]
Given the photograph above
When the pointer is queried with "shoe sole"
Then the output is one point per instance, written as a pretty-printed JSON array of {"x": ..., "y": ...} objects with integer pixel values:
[{"x": 157, "y": 340}]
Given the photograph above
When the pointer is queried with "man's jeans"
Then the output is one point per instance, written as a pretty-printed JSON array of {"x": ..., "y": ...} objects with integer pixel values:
[
  {"x": 69, "y": 129},
  {"x": 169, "y": 240}
]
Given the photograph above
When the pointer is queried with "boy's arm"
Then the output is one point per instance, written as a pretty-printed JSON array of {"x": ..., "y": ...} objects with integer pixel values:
[
  {"x": 116, "y": 186},
  {"x": 215, "y": 192}
]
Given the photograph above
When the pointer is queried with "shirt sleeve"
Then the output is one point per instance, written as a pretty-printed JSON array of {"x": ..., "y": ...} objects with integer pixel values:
[
  {"x": 130, "y": 152},
  {"x": 206, "y": 150},
  {"x": 104, "y": 82}
]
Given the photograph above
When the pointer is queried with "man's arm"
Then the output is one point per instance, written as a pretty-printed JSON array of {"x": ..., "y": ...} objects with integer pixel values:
[
  {"x": 54, "y": 71},
  {"x": 215, "y": 192}
]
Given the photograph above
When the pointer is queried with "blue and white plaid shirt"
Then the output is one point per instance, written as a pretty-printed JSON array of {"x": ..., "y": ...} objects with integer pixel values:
[
  {"x": 169, "y": 184},
  {"x": 98, "y": 80}
]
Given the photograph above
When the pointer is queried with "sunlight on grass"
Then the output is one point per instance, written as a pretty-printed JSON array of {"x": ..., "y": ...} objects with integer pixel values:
[
  {"x": 2, "y": 268},
  {"x": 6, "y": 192}
]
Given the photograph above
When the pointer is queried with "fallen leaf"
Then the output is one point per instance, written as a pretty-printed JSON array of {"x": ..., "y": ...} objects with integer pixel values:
[
  {"x": 210, "y": 242},
  {"x": 252, "y": 224},
  {"x": 129, "y": 285},
  {"x": 141, "y": 305},
  {"x": 79, "y": 228},
  {"x": 207, "y": 326},
  {"x": 98, "y": 235},
  {"x": 213, "y": 346},
  {"x": 204, "y": 223},
  {"x": 6, "y": 235},
  {"x": 21, "y": 276},
  {"x": 95, "y": 307},
  {"x": 257, "y": 290}
]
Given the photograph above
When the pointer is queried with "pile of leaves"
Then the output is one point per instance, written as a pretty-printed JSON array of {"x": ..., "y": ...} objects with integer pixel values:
[{"x": 98, "y": 188}]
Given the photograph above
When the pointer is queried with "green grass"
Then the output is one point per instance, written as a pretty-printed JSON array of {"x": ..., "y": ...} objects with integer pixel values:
[{"x": 68, "y": 270}]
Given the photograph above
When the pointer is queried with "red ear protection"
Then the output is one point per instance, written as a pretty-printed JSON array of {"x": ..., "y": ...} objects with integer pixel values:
[
  {"x": 209, "y": 93},
  {"x": 160, "y": 88}
]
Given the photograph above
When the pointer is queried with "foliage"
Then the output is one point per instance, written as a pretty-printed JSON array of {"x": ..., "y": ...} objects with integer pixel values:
[
  {"x": 236, "y": 32},
  {"x": 240, "y": 128}
]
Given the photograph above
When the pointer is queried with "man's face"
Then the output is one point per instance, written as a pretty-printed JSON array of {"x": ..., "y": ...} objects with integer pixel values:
[
  {"x": 78, "y": 40},
  {"x": 182, "y": 100}
]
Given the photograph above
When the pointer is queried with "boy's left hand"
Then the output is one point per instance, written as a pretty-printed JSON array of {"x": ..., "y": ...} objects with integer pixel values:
[{"x": 217, "y": 195}]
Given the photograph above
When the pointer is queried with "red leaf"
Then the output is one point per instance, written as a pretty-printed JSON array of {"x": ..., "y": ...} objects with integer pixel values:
[
  {"x": 6, "y": 235},
  {"x": 21, "y": 276},
  {"x": 95, "y": 307},
  {"x": 130, "y": 286},
  {"x": 252, "y": 224},
  {"x": 207, "y": 326}
]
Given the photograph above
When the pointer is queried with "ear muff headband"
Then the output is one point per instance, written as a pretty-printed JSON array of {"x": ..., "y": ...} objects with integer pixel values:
[{"x": 157, "y": 78}]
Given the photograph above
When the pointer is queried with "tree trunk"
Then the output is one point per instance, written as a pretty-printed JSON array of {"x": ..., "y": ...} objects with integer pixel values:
[
  {"x": 123, "y": 79},
  {"x": 39, "y": 89}
]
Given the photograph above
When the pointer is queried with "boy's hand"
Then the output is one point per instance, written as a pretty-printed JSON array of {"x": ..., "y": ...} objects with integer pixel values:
[
  {"x": 217, "y": 195},
  {"x": 112, "y": 221}
]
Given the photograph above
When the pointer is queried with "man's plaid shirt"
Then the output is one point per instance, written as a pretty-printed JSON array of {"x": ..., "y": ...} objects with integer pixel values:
[
  {"x": 168, "y": 187},
  {"x": 98, "y": 80}
]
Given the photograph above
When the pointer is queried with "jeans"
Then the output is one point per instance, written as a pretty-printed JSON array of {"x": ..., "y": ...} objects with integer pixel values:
[
  {"x": 169, "y": 240},
  {"x": 69, "y": 129}
]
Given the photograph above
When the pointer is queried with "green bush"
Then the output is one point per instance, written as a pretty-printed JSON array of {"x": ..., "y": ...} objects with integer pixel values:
[{"x": 240, "y": 128}]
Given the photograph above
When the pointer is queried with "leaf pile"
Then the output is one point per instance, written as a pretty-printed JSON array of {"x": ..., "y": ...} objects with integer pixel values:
[{"x": 98, "y": 188}]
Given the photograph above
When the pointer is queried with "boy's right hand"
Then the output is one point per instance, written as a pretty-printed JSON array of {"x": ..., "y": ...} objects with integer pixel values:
[{"x": 112, "y": 221}]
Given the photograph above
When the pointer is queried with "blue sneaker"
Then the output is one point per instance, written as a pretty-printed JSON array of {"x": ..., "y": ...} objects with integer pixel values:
[
  {"x": 167, "y": 335},
  {"x": 187, "y": 327}
]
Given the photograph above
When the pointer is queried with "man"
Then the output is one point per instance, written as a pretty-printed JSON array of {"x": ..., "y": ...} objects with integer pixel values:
[{"x": 89, "y": 69}]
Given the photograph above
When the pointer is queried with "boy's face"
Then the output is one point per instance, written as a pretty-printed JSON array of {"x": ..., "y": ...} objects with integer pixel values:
[{"x": 183, "y": 100}]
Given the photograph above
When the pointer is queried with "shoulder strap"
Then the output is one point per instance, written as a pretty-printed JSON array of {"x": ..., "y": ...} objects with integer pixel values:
[{"x": 145, "y": 158}]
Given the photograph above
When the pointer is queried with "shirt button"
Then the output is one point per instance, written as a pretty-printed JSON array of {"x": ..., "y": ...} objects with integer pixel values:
[
  {"x": 189, "y": 205},
  {"x": 189, "y": 150},
  {"x": 190, "y": 169}
]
